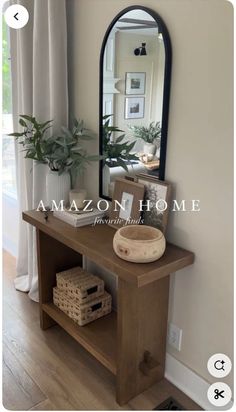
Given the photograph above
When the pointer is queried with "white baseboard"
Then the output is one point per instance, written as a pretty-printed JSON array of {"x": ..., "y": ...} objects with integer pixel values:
[{"x": 190, "y": 383}]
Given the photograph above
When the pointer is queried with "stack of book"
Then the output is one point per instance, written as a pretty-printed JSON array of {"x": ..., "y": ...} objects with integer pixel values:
[{"x": 81, "y": 218}]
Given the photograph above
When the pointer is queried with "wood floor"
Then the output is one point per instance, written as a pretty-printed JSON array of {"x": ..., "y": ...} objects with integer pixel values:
[{"x": 48, "y": 370}]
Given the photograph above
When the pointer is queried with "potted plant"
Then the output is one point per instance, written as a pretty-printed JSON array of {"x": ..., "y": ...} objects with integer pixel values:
[
  {"x": 116, "y": 151},
  {"x": 151, "y": 135},
  {"x": 63, "y": 153}
]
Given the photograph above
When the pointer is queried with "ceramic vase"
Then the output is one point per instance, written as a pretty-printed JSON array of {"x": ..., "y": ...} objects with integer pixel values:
[
  {"x": 149, "y": 148},
  {"x": 57, "y": 187}
]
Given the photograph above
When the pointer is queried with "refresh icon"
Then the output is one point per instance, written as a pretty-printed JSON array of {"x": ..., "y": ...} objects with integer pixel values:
[{"x": 219, "y": 365}]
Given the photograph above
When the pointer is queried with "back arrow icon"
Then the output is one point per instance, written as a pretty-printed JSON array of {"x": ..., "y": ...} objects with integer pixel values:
[{"x": 16, "y": 15}]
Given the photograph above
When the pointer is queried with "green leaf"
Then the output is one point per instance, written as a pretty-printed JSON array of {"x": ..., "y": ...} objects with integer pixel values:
[
  {"x": 63, "y": 144},
  {"x": 114, "y": 129},
  {"x": 106, "y": 125},
  {"x": 120, "y": 138},
  {"x": 86, "y": 137},
  {"x": 130, "y": 146},
  {"x": 22, "y": 123},
  {"x": 121, "y": 163},
  {"x": 67, "y": 132},
  {"x": 46, "y": 128},
  {"x": 93, "y": 158},
  {"x": 31, "y": 156},
  {"x": 42, "y": 125},
  {"x": 76, "y": 149},
  {"x": 29, "y": 118},
  {"x": 106, "y": 116},
  {"x": 76, "y": 123},
  {"x": 132, "y": 157},
  {"x": 16, "y": 134},
  {"x": 50, "y": 140}
]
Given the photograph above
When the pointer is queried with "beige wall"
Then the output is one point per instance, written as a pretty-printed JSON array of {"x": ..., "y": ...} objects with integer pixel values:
[{"x": 199, "y": 154}]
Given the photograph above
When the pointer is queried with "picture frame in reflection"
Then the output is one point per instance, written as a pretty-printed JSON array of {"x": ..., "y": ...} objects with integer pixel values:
[
  {"x": 135, "y": 83},
  {"x": 134, "y": 107}
]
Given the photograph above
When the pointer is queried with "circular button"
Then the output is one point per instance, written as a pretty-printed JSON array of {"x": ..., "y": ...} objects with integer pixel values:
[
  {"x": 219, "y": 365},
  {"x": 16, "y": 16},
  {"x": 219, "y": 394}
]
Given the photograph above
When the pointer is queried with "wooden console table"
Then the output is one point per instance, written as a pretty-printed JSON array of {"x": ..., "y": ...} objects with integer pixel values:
[{"x": 131, "y": 343}]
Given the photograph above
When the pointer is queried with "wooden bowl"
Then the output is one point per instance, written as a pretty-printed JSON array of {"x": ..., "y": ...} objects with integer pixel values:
[{"x": 139, "y": 243}]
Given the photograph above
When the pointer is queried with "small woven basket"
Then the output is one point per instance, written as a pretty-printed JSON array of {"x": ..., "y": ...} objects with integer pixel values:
[
  {"x": 80, "y": 284},
  {"x": 82, "y": 313}
]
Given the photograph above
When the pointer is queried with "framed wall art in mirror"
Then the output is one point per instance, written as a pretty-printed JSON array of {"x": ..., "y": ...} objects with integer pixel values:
[
  {"x": 135, "y": 83},
  {"x": 135, "y": 70},
  {"x": 134, "y": 107}
]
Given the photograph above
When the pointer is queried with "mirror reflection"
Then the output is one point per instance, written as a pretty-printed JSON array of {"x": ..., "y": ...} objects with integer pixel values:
[{"x": 133, "y": 81}]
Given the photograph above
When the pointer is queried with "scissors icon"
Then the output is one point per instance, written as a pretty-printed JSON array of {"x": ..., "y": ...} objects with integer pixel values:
[
  {"x": 218, "y": 394},
  {"x": 219, "y": 365}
]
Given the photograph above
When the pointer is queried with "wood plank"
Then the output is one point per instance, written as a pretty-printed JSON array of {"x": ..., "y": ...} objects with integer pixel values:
[
  {"x": 53, "y": 257},
  {"x": 19, "y": 390},
  {"x": 27, "y": 309},
  {"x": 152, "y": 323},
  {"x": 44, "y": 406},
  {"x": 95, "y": 242},
  {"x": 51, "y": 373},
  {"x": 99, "y": 337},
  {"x": 90, "y": 373},
  {"x": 142, "y": 328}
]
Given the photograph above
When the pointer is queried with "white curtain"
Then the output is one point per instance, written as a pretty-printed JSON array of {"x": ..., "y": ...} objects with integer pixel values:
[{"x": 40, "y": 88}]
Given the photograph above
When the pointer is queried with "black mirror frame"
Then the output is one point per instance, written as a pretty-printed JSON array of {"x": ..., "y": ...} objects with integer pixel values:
[{"x": 166, "y": 90}]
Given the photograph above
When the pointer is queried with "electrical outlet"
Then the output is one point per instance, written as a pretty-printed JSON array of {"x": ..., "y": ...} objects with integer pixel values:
[{"x": 174, "y": 336}]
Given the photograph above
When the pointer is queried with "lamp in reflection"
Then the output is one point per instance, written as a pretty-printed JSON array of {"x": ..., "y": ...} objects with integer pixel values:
[{"x": 141, "y": 51}]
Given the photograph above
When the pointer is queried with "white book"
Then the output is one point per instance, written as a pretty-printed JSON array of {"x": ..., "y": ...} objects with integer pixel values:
[
  {"x": 78, "y": 220},
  {"x": 77, "y": 223}
]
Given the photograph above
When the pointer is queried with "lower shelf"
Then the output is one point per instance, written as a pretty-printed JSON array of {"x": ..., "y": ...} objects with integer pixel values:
[{"x": 99, "y": 337}]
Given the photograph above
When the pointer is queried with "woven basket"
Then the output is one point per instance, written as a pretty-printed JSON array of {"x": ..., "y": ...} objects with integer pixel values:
[
  {"x": 80, "y": 284},
  {"x": 82, "y": 313}
]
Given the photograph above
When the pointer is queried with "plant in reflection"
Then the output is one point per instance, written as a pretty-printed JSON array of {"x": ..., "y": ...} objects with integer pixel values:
[
  {"x": 150, "y": 134},
  {"x": 117, "y": 152}
]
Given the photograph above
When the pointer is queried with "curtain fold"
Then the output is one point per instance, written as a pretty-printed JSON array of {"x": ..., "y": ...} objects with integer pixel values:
[{"x": 39, "y": 88}]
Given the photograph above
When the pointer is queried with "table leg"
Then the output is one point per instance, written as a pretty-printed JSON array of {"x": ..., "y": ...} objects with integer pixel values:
[
  {"x": 53, "y": 257},
  {"x": 142, "y": 330}
]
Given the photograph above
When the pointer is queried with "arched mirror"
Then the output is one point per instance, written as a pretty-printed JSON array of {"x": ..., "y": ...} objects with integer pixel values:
[{"x": 135, "y": 69}]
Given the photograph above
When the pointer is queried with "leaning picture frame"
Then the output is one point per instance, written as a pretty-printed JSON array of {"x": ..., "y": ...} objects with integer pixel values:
[
  {"x": 135, "y": 83},
  {"x": 128, "y": 194},
  {"x": 158, "y": 193}
]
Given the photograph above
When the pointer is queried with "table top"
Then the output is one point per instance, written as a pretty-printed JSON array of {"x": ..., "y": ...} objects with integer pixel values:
[{"x": 96, "y": 242}]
